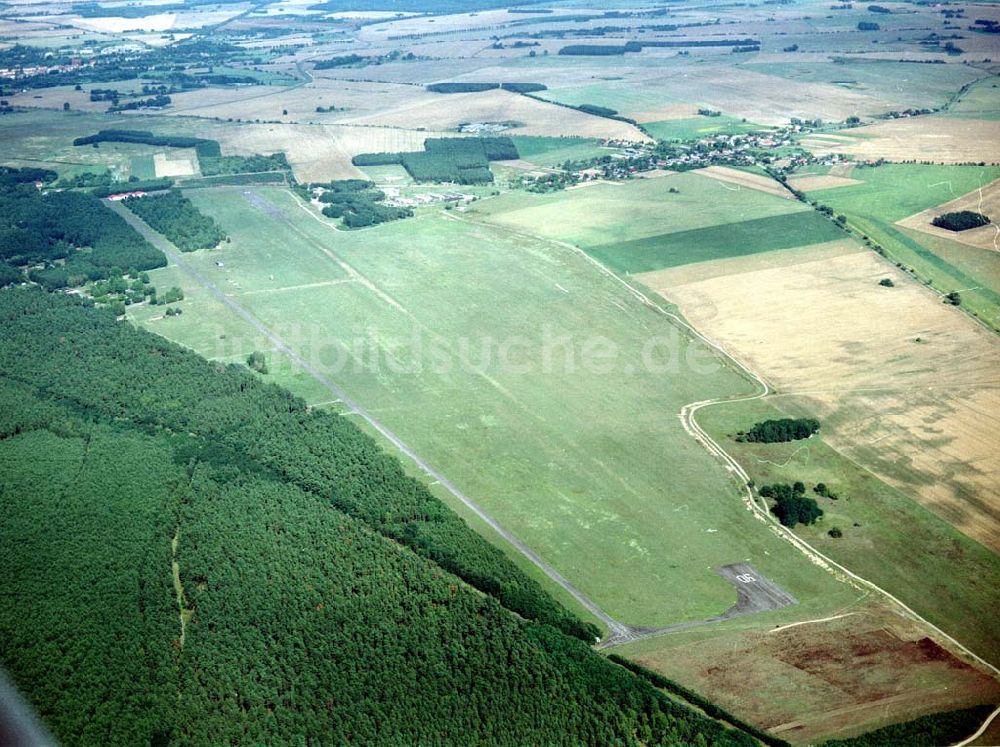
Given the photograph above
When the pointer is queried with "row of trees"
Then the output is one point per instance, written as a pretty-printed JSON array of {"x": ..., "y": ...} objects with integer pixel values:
[
  {"x": 296, "y": 616},
  {"x": 176, "y": 217}
]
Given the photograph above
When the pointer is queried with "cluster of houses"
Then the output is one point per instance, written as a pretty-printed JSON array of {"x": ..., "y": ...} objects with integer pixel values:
[{"x": 395, "y": 198}]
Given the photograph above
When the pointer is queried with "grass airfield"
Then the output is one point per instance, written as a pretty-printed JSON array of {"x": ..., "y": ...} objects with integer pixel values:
[
  {"x": 576, "y": 461},
  {"x": 590, "y": 465}
]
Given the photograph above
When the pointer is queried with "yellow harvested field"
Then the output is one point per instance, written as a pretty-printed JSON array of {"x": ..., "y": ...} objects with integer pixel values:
[
  {"x": 662, "y": 281},
  {"x": 810, "y": 182},
  {"x": 745, "y": 179},
  {"x": 985, "y": 200},
  {"x": 868, "y": 361},
  {"x": 173, "y": 165},
  {"x": 931, "y": 138},
  {"x": 319, "y": 152},
  {"x": 448, "y": 111}
]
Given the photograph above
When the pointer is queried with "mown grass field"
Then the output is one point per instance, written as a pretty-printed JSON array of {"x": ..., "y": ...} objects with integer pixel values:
[
  {"x": 582, "y": 457},
  {"x": 603, "y": 214}
]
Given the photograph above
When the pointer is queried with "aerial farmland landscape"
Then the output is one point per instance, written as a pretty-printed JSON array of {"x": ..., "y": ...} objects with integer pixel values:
[{"x": 471, "y": 372}]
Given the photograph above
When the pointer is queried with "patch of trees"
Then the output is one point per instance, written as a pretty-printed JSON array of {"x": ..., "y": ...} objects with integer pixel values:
[
  {"x": 342, "y": 61},
  {"x": 597, "y": 50},
  {"x": 962, "y": 220},
  {"x": 457, "y": 160},
  {"x": 176, "y": 217},
  {"x": 358, "y": 203},
  {"x": 10, "y": 177},
  {"x": 792, "y": 506},
  {"x": 779, "y": 431},
  {"x": 299, "y": 621},
  {"x": 868, "y": 26},
  {"x": 225, "y": 165},
  {"x": 256, "y": 361},
  {"x": 461, "y": 87},
  {"x": 927, "y": 731},
  {"x": 887, "y": 283},
  {"x": 524, "y": 87},
  {"x": 67, "y": 238},
  {"x": 953, "y": 298},
  {"x": 878, "y": 9},
  {"x": 153, "y": 102},
  {"x": 599, "y": 111}
]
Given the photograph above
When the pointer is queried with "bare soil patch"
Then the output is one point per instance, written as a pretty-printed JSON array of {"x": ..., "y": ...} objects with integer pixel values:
[{"x": 830, "y": 679}]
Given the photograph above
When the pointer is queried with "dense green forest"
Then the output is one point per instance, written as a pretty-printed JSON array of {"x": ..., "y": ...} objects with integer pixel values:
[
  {"x": 778, "y": 431},
  {"x": 191, "y": 557},
  {"x": 927, "y": 731},
  {"x": 176, "y": 217},
  {"x": 65, "y": 238},
  {"x": 448, "y": 159}
]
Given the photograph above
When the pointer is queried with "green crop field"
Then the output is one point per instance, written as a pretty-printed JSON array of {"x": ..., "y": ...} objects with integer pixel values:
[
  {"x": 143, "y": 167},
  {"x": 552, "y": 151},
  {"x": 637, "y": 209},
  {"x": 896, "y": 191},
  {"x": 718, "y": 242},
  {"x": 578, "y": 451},
  {"x": 691, "y": 128}
]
